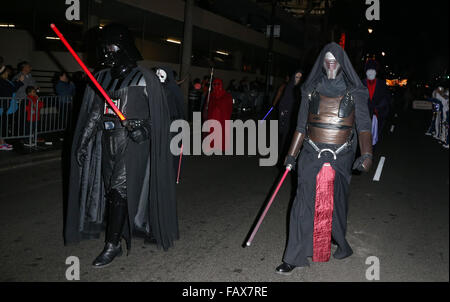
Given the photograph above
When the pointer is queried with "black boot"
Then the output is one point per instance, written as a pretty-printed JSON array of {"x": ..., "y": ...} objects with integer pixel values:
[
  {"x": 117, "y": 217},
  {"x": 110, "y": 251},
  {"x": 285, "y": 269},
  {"x": 149, "y": 238}
]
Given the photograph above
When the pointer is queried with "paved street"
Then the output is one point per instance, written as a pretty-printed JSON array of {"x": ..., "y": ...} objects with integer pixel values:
[{"x": 402, "y": 220}]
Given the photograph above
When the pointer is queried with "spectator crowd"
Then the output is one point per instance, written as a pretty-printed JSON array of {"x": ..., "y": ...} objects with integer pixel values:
[{"x": 20, "y": 104}]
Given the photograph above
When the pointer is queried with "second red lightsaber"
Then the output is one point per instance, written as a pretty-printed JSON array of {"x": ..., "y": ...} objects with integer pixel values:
[
  {"x": 89, "y": 74},
  {"x": 249, "y": 242},
  {"x": 179, "y": 164}
]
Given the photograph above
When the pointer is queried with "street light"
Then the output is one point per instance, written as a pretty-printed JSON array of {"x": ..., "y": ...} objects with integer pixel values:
[
  {"x": 383, "y": 53},
  {"x": 370, "y": 30},
  {"x": 221, "y": 52},
  {"x": 175, "y": 41}
]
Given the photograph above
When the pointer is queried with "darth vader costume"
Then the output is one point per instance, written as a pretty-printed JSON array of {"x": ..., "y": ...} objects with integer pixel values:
[
  {"x": 121, "y": 172},
  {"x": 175, "y": 101},
  {"x": 333, "y": 116}
]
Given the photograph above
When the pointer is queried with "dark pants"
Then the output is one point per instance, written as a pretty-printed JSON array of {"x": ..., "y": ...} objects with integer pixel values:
[
  {"x": 301, "y": 225},
  {"x": 114, "y": 146}
]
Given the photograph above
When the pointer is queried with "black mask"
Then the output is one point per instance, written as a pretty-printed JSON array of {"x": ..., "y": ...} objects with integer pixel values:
[{"x": 117, "y": 50}]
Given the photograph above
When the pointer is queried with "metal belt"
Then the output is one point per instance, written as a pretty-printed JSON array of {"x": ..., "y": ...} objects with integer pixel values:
[
  {"x": 335, "y": 153},
  {"x": 113, "y": 124}
]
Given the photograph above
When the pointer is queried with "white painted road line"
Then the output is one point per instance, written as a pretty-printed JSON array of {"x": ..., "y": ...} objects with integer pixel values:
[{"x": 379, "y": 169}]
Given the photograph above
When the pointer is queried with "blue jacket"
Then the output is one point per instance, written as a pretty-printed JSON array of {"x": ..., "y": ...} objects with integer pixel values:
[{"x": 65, "y": 88}]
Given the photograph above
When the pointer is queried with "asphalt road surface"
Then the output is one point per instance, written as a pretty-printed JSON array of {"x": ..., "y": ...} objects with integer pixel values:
[{"x": 402, "y": 220}]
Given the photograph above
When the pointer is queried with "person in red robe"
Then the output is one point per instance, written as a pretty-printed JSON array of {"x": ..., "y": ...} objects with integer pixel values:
[{"x": 220, "y": 107}]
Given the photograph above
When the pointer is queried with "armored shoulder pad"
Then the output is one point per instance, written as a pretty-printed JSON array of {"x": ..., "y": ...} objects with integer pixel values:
[
  {"x": 314, "y": 102},
  {"x": 347, "y": 106}
]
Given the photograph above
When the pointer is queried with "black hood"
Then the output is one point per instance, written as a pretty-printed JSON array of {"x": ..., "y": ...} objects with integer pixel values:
[
  {"x": 174, "y": 94},
  {"x": 347, "y": 80}
]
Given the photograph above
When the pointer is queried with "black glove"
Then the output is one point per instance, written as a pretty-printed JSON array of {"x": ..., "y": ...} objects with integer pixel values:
[
  {"x": 290, "y": 161},
  {"x": 363, "y": 163},
  {"x": 139, "y": 135},
  {"x": 139, "y": 130}
]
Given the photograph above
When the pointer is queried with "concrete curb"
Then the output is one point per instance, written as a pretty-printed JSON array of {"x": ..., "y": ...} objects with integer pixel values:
[{"x": 26, "y": 160}]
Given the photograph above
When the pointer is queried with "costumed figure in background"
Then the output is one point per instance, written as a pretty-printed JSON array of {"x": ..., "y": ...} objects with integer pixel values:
[
  {"x": 194, "y": 98},
  {"x": 220, "y": 108},
  {"x": 288, "y": 111},
  {"x": 121, "y": 172},
  {"x": 175, "y": 101},
  {"x": 446, "y": 120},
  {"x": 333, "y": 116},
  {"x": 379, "y": 100},
  {"x": 439, "y": 123}
]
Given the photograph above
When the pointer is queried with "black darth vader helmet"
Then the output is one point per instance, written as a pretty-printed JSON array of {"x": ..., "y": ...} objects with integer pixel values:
[{"x": 117, "y": 50}]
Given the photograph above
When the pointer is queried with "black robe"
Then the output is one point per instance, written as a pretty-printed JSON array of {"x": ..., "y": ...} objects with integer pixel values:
[
  {"x": 301, "y": 224},
  {"x": 381, "y": 101},
  {"x": 150, "y": 186},
  {"x": 287, "y": 114},
  {"x": 175, "y": 101}
]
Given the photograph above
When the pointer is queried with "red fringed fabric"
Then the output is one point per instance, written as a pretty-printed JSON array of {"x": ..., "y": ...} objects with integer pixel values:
[{"x": 323, "y": 214}]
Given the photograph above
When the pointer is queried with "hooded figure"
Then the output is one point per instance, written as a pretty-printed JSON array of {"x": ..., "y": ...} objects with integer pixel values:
[
  {"x": 333, "y": 116},
  {"x": 288, "y": 110},
  {"x": 121, "y": 172},
  {"x": 175, "y": 101},
  {"x": 379, "y": 97},
  {"x": 220, "y": 107}
]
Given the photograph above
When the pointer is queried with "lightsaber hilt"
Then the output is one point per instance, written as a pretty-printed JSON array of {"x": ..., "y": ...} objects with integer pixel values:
[
  {"x": 272, "y": 198},
  {"x": 89, "y": 74}
]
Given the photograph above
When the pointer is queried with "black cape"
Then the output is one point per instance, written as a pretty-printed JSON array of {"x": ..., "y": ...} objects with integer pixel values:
[
  {"x": 150, "y": 186},
  {"x": 175, "y": 97},
  {"x": 287, "y": 113},
  {"x": 175, "y": 101}
]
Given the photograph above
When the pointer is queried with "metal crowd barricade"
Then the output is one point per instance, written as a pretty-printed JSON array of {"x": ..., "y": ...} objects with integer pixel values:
[{"x": 25, "y": 119}]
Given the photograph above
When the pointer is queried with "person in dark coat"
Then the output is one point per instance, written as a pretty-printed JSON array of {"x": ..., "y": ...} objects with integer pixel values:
[
  {"x": 288, "y": 110},
  {"x": 379, "y": 97},
  {"x": 175, "y": 102},
  {"x": 333, "y": 117},
  {"x": 8, "y": 89}
]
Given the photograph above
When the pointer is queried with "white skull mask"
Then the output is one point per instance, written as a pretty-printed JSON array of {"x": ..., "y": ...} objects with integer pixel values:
[
  {"x": 331, "y": 66},
  {"x": 162, "y": 75},
  {"x": 371, "y": 74}
]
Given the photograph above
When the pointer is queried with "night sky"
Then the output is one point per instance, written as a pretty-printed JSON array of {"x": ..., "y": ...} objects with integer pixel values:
[{"x": 413, "y": 34}]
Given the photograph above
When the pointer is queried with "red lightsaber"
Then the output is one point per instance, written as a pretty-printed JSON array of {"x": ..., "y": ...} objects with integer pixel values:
[
  {"x": 179, "y": 164},
  {"x": 77, "y": 58},
  {"x": 249, "y": 242}
]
